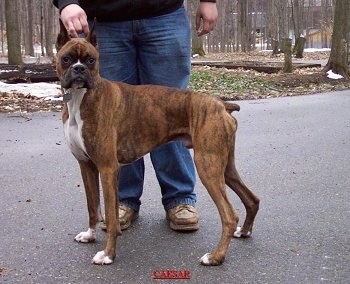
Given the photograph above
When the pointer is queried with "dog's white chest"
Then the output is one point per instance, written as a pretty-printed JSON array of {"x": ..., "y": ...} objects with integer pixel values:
[{"x": 74, "y": 124}]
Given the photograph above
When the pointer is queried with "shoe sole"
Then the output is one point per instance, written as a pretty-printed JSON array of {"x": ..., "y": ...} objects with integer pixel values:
[{"x": 186, "y": 227}]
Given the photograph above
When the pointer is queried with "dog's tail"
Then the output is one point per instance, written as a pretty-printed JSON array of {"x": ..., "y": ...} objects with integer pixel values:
[{"x": 230, "y": 107}]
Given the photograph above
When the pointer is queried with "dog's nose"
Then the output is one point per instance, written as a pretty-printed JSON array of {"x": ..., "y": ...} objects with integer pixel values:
[{"x": 79, "y": 68}]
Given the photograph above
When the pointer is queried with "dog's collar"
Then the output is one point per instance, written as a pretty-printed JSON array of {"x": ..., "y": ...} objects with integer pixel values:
[{"x": 67, "y": 95}]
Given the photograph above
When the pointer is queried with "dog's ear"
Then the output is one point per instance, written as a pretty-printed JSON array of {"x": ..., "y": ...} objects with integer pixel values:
[
  {"x": 91, "y": 37},
  {"x": 230, "y": 107},
  {"x": 62, "y": 37}
]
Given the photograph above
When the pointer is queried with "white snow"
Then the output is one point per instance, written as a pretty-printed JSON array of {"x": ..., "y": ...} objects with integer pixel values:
[
  {"x": 316, "y": 49},
  {"x": 334, "y": 76},
  {"x": 40, "y": 90},
  {"x": 307, "y": 49}
]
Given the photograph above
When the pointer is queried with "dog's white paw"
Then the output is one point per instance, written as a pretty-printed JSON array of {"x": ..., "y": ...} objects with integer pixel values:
[
  {"x": 101, "y": 258},
  {"x": 240, "y": 234},
  {"x": 205, "y": 259},
  {"x": 86, "y": 237},
  {"x": 209, "y": 259}
]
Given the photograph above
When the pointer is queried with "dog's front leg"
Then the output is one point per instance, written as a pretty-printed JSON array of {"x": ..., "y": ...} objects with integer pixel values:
[
  {"x": 109, "y": 180},
  {"x": 89, "y": 174}
]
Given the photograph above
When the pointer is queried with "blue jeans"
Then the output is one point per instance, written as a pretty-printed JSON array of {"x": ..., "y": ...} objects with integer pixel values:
[{"x": 152, "y": 51}]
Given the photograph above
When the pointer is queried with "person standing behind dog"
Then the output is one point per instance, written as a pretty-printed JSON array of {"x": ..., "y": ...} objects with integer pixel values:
[{"x": 147, "y": 42}]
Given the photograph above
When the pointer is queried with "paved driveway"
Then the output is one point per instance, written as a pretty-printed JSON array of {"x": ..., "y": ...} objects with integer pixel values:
[{"x": 293, "y": 152}]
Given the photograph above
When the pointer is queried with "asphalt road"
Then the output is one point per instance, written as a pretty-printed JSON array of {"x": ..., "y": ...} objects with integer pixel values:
[{"x": 293, "y": 152}]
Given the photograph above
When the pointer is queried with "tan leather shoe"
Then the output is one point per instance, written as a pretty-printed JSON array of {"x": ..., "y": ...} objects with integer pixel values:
[
  {"x": 127, "y": 216},
  {"x": 183, "y": 217}
]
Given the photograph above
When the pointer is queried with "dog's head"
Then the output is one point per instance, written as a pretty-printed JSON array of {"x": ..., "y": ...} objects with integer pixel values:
[{"x": 77, "y": 59}]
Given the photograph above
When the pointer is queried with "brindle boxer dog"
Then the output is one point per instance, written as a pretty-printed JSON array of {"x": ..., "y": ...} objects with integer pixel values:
[{"x": 109, "y": 124}]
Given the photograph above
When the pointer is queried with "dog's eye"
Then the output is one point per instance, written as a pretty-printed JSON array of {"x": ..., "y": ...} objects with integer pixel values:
[
  {"x": 66, "y": 59},
  {"x": 91, "y": 60}
]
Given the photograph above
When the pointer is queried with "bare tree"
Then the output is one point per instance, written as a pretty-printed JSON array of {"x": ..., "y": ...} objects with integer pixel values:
[
  {"x": 297, "y": 8},
  {"x": 283, "y": 26},
  {"x": 2, "y": 26},
  {"x": 277, "y": 24},
  {"x": 48, "y": 27},
  {"x": 338, "y": 60},
  {"x": 223, "y": 36},
  {"x": 239, "y": 23},
  {"x": 13, "y": 32},
  {"x": 271, "y": 20},
  {"x": 243, "y": 37},
  {"x": 42, "y": 22},
  {"x": 27, "y": 26},
  {"x": 326, "y": 22},
  {"x": 287, "y": 47}
]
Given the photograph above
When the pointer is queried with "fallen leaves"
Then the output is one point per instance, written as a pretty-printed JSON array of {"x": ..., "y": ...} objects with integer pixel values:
[
  {"x": 17, "y": 102},
  {"x": 238, "y": 84}
]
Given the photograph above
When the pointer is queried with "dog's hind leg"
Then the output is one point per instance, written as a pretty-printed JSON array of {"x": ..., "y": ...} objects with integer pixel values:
[
  {"x": 89, "y": 174},
  {"x": 210, "y": 169},
  {"x": 249, "y": 199}
]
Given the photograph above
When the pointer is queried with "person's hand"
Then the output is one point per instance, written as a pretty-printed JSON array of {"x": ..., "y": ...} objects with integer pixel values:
[
  {"x": 206, "y": 17},
  {"x": 74, "y": 19}
]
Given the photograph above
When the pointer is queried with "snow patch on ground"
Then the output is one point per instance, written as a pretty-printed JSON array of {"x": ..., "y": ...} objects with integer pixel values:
[
  {"x": 334, "y": 76},
  {"x": 40, "y": 90}
]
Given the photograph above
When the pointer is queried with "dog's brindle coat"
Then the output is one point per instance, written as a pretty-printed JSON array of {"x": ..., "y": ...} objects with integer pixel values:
[{"x": 108, "y": 124}]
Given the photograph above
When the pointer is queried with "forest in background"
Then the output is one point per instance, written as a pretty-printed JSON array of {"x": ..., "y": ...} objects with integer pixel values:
[
  {"x": 243, "y": 25},
  {"x": 29, "y": 27}
]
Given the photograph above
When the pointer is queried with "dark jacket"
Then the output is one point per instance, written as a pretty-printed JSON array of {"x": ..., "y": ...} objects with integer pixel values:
[{"x": 123, "y": 10}]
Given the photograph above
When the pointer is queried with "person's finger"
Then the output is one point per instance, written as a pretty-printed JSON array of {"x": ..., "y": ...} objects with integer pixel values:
[
  {"x": 85, "y": 27},
  {"x": 205, "y": 28},
  {"x": 75, "y": 20},
  {"x": 71, "y": 29},
  {"x": 206, "y": 18}
]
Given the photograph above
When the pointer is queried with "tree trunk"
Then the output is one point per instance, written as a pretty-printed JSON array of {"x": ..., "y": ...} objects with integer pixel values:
[
  {"x": 275, "y": 47},
  {"x": 298, "y": 48},
  {"x": 42, "y": 22},
  {"x": 222, "y": 25},
  {"x": 282, "y": 22},
  {"x": 297, "y": 13},
  {"x": 338, "y": 58},
  {"x": 287, "y": 44},
  {"x": 2, "y": 27},
  {"x": 27, "y": 27},
  {"x": 13, "y": 32},
  {"x": 323, "y": 24},
  {"x": 49, "y": 28},
  {"x": 243, "y": 25}
]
